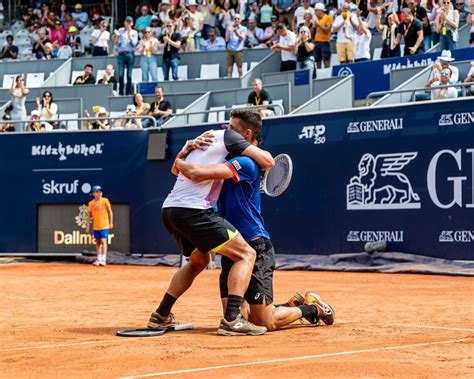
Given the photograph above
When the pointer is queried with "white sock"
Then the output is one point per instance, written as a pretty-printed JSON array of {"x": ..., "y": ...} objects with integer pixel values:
[{"x": 104, "y": 258}]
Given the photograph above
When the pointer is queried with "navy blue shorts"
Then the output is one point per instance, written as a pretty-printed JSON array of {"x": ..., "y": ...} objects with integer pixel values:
[
  {"x": 322, "y": 51},
  {"x": 104, "y": 233}
]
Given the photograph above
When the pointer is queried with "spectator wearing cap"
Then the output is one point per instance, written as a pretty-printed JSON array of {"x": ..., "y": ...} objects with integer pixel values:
[
  {"x": 35, "y": 125},
  {"x": 126, "y": 40},
  {"x": 300, "y": 12},
  {"x": 148, "y": 48},
  {"x": 57, "y": 35},
  {"x": 198, "y": 20},
  {"x": 98, "y": 124},
  {"x": 345, "y": 26},
  {"x": 411, "y": 29},
  {"x": 80, "y": 17},
  {"x": 214, "y": 43},
  {"x": 144, "y": 21},
  {"x": 389, "y": 33},
  {"x": 156, "y": 26},
  {"x": 322, "y": 36},
  {"x": 73, "y": 40},
  {"x": 287, "y": 45},
  {"x": 447, "y": 26},
  {"x": 6, "y": 125},
  {"x": 235, "y": 37},
  {"x": 164, "y": 13},
  {"x": 170, "y": 42},
  {"x": 270, "y": 32},
  {"x": 285, "y": 9},
  {"x": 443, "y": 62},
  {"x": 87, "y": 77},
  {"x": 130, "y": 123},
  {"x": 100, "y": 40},
  {"x": 187, "y": 34},
  {"x": 442, "y": 79},
  {"x": 255, "y": 35},
  {"x": 9, "y": 51},
  {"x": 304, "y": 50}
]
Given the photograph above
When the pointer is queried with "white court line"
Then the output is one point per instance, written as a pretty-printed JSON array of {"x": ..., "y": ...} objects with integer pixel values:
[
  {"x": 64, "y": 345},
  {"x": 435, "y": 327},
  {"x": 297, "y": 358}
]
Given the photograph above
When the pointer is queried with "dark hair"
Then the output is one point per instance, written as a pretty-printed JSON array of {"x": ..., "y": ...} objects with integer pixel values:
[
  {"x": 135, "y": 99},
  {"x": 280, "y": 26},
  {"x": 9, "y": 36},
  {"x": 88, "y": 65},
  {"x": 42, "y": 97},
  {"x": 251, "y": 119}
]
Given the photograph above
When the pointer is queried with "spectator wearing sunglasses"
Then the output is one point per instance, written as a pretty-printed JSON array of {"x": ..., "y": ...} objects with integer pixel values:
[
  {"x": 420, "y": 13},
  {"x": 147, "y": 48},
  {"x": 235, "y": 36},
  {"x": 48, "y": 110},
  {"x": 441, "y": 80},
  {"x": 463, "y": 13},
  {"x": 170, "y": 43},
  {"x": 447, "y": 26}
]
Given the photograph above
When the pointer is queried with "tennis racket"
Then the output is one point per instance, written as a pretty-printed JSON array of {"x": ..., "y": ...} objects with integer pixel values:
[
  {"x": 147, "y": 332},
  {"x": 276, "y": 180}
]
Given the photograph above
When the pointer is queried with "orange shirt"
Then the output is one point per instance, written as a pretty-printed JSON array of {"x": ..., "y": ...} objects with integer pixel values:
[
  {"x": 322, "y": 36},
  {"x": 98, "y": 210}
]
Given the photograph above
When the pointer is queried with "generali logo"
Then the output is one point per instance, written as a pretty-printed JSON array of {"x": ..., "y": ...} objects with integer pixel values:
[
  {"x": 375, "y": 125},
  {"x": 375, "y": 235},
  {"x": 463, "y": 118}
]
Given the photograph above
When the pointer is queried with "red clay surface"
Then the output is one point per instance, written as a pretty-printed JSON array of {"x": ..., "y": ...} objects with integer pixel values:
[{"x": 59, "y": 320}]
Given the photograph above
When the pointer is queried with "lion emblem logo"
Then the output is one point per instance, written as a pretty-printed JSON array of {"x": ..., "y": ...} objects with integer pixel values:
[{"x": 381, "y": 184}]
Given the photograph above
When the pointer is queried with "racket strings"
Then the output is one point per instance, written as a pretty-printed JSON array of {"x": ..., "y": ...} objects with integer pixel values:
[{"x": 278, "y": 176}]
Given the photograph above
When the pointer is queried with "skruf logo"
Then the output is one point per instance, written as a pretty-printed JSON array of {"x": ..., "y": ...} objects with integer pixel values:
[
  {"x": 375, "y": 235},
  {"x": 314, "y": 131},
  {"x": 458, "y": 236},
  {"x": 53, "y": 187},
  {"x": 381, "y": 185},
  {"x": 344, "y": 71}
]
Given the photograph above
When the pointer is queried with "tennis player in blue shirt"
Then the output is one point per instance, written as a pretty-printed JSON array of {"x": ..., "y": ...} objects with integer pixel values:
[{"x": 239, "y": 203}]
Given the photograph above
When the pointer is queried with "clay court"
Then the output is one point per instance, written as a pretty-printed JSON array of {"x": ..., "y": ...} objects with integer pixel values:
[{"x": 59, "y": 320}]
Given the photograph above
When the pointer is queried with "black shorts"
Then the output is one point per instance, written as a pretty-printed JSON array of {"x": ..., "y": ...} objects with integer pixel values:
[
  {"x": 322, "y": 51},
  {"x": 197, "y": 229},
  {"x": 261, "y": 282}
]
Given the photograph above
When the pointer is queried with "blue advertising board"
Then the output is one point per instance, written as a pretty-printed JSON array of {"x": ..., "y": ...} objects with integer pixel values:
[
  {"x": 402, "y": 174},
  {"x": 372, "y": 76}
]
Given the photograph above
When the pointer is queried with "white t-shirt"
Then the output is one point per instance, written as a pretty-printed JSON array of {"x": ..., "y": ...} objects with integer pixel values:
[
  {"x": 362, "y": 45},
  {"x": 443, "y": 93},
  {"x": 299, "y": 14},
  {"x": 289, "y": 40},
  {"x": 203, "y": 195},
  {"x": 103, "y": 38},
  {"x": 350, "y": 29}
]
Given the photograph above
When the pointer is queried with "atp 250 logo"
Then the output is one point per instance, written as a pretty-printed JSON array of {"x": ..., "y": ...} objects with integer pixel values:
[
  {"x": 382, "y": 184},
  {"x": 314, "y": 131}
]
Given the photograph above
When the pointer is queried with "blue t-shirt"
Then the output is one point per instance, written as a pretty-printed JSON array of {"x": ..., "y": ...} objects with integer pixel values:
[{"x": 239, "y": 201}]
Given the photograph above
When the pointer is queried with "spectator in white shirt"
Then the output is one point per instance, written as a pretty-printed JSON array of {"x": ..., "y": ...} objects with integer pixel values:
[
  {"x": 286, "y": 45},
  {"x": 345, "y": 26},
  {"x": 100, "y": 39},
  {"x": 441, "y": 80},
  {"x": 362, "y": 40},
  {"x": 299, "y": 14}
]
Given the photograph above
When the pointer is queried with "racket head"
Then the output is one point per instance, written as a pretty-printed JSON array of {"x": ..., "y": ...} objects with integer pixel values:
[
  {"x": 143, "y": 332},
  {"x": 278, "y": 178},
  {"x": 153, "y": 332}
]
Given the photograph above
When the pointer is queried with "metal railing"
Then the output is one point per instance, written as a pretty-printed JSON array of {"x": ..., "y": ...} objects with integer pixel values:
[
  {"x": 416, "y": 89},
  {"x": 217, "y": 111},
  {"x": 79, "y": 120}
]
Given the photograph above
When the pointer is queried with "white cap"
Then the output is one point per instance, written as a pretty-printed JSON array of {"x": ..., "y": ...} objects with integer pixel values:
[
  {"x": 192, "y": 2},
  {"x": 102, "y": 110},
  {"x": 131, "y": 108},
  {"x": 165, "y": 2},
  {"x": 446, "y": 56},
  {"x": 35, "y": 113},
  {"x": 320, "y": 7}
]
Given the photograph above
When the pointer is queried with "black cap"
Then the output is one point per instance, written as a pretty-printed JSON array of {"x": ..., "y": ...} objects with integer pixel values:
[{"x": 6, "y": 117}]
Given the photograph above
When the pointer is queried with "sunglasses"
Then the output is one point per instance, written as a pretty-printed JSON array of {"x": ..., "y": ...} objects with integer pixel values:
[
  {"x": 459, "y": 4},
  {"x": 444, "y": 73},
  {"x": 47, "y": 96},
  {"x": 147, "y": 31},
  {"x": 169, "y": 26}
]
